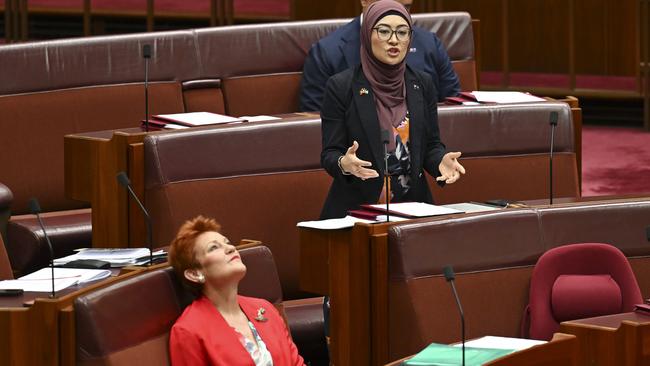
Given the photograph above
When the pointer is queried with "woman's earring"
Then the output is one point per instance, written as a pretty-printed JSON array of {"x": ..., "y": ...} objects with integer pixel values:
[{"x": 201, "y": 278}]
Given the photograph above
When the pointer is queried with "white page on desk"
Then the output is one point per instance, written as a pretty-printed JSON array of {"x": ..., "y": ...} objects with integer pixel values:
[
  {"x": 502, "y": 343},
  {"x": 38, "y": 285},
  {"x": 332, "y": 224},
  {"x": 417, "y": 209},
  {"x": 471, "y": 207},
  {"x": 505, "y": 97},
  {"x": 79, "y": 274}
]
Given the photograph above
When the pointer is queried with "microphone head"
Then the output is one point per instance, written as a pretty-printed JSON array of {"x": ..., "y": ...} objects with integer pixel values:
[
  {"x": 123, "y": 179},
  {"x": 146, "y": 51},
  {"x": 553, "y": 119},
  {"x": 34, "y": 207},
  {"x": 385, "y": 136},
  {"x": 449, "y": 273}
]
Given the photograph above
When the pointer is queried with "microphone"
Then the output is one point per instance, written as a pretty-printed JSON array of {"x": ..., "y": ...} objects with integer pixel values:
[
  {"x": 124, "y": 181},
  {"x": 146, "y": 54},
  {"x": 35, "y": 209},
  {"x": 385, "y": 137},
  {"x": 553, "y": 122},
  {"x": 450, "y": 276}
]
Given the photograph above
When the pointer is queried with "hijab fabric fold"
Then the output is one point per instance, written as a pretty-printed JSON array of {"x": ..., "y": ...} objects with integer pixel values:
[{"x": 386, "y": 81}]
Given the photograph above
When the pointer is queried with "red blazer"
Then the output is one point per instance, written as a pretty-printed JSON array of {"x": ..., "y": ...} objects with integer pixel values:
[{"x": 201, "y": 336}]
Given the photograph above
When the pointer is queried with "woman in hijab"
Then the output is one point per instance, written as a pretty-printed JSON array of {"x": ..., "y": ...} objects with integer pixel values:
[{"x": 382, "y": 99}]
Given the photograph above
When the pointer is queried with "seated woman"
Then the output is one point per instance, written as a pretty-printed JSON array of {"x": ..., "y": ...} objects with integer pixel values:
[{"x": 221, "y": 327}]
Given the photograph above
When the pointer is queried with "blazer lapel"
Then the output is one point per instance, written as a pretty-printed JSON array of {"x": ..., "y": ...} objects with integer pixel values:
[
  {"x": 365, "y": 102},
  {"x": 416, "y": 105}
]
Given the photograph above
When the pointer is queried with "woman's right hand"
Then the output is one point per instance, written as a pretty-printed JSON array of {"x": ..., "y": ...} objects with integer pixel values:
[{"x": 350, "y": 164}]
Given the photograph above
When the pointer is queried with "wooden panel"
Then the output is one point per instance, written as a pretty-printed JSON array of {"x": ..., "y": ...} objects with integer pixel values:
[
  {"x": 489, "y": 13},
  {"x": 538, "y": 36},
  {"x": 310, "y": 9}
]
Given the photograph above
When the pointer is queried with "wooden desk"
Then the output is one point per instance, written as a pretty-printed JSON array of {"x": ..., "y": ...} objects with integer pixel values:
[
  {"x": 351, "y": 266},
  {"x": 44, "y": 333},
  {"x": 91, "y": 163},
  {"x": 620, "y": 339}
]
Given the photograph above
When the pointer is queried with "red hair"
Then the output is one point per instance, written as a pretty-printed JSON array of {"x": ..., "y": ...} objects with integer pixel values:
[{"x": 181, "y": 251}]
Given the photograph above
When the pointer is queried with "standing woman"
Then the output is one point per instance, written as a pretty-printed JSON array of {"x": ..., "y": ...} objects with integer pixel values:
[{"x": 382, "y": 94}]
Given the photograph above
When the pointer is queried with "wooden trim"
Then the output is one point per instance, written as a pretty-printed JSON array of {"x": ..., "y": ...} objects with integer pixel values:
[
  {"x": 572, "y": 46},
  {"x": 476, "y": 30},
  {"x": 150, "y": 15},
  {"x": 504, "y": 39},
  {"x": 87, "y": 18}
]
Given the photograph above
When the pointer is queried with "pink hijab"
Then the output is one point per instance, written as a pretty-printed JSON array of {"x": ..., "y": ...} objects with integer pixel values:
[{"x": 386, "y": 81}]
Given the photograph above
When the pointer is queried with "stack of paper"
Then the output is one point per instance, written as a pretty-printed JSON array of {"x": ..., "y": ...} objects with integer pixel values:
[
  {"x": 414, "y": 209},
  {"x": 41, "y": 280},
  {"x": 442, "y": 354},
  {"x": 116, "y": 257}
]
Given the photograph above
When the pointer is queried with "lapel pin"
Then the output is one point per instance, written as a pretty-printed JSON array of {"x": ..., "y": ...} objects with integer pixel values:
[
  {"x": 260, "y": 315},
  {"x": 413, "y": 49},
  {"x": 416, "y": 86},
  {"x": 363, "y": 91}
]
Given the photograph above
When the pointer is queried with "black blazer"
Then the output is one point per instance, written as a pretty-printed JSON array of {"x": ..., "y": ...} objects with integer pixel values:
[{"x": 349, "y": 114}]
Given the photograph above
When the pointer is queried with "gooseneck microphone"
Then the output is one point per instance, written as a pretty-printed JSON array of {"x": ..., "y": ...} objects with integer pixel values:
[
  {"x": 385, "y": 137},
  {"x": 146, "y": 54},
  {"x": 124, "y": 181},
  {"x": 35, "y": 209},
  {"x": 450, "y": 276},
  {"x": 553, "y": 122}
]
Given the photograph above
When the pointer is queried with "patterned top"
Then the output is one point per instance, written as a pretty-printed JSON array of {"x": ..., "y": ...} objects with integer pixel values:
[
  {"x": 399, "y": 164},
  {"x": 259, "y": 353}
]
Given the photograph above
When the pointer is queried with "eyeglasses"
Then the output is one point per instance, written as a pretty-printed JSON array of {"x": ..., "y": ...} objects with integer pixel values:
[{"x": 385, "y": 33}]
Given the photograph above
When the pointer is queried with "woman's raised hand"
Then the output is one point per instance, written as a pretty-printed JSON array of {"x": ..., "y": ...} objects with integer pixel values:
[
  {"x": 450, "y": 168},
  {"x": 352, "y": 165}
]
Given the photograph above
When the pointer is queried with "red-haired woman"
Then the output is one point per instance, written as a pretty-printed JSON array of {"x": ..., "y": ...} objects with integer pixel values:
[{"x": 221, "y": 327}]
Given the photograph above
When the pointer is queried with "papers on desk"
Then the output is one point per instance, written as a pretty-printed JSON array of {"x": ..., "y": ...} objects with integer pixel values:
[
  {"x": 442, "y": 354},
  {"x": 516, "y": 344},
  {"x": 504, "y": 97},
  {"x": 41, "y": 280},
  {"x": 332, "y": 224},
  {"x": 468, "y": 207},
  {"x": 116, "y": 257},
  {"x": 193, "y": 119},
  {"x": 414, "y": 209}
]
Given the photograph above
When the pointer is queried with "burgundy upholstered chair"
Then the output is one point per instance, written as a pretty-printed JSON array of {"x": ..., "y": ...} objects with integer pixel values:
[
  {"x": 579, "y": 281},
  {"x": 128, "y": 322},
  {"x": 5, "y": 266}
]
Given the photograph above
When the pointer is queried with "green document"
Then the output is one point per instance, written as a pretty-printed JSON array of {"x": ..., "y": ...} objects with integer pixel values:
[{"x": 446, "y": 355}]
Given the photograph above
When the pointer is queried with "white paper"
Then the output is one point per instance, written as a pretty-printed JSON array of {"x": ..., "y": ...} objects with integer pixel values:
[
  {"x": 41, "y": 280},
  {"x": 173, "y": 126},
  {"x": 259, "y": 118},
  {"x": 333, "y": 224},
  {"x": 505, "y": 97},
  {"x": 502, "y": 343},
  {"x": 117, "y": 257},
  {"x": 198, "y": 118},
  {"x": 417, "y": 209},
  {"x": 471, "y": 207}
]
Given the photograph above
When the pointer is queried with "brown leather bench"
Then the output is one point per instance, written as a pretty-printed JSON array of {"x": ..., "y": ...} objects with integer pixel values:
[
  {"x": 53, "y": 88},
  {"x": 493, "y": 255},
  {"x": 113, "y": 331}
]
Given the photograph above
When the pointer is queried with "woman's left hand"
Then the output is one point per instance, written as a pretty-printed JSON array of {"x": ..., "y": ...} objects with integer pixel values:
[{"x": 450, "y": 168}]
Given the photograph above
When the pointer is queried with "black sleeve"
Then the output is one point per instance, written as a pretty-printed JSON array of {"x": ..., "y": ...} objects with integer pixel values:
[
  {"x": 335, "y": 139},
  {"x": 434, "y": 148}
]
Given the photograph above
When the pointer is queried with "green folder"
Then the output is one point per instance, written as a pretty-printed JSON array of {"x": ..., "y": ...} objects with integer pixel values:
[{"x": 445, "y": 355}]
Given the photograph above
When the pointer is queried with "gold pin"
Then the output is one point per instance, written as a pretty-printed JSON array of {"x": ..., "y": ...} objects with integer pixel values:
[
  {"x": 363, "y": 91},
  {"x": 260, "y": 315}
]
